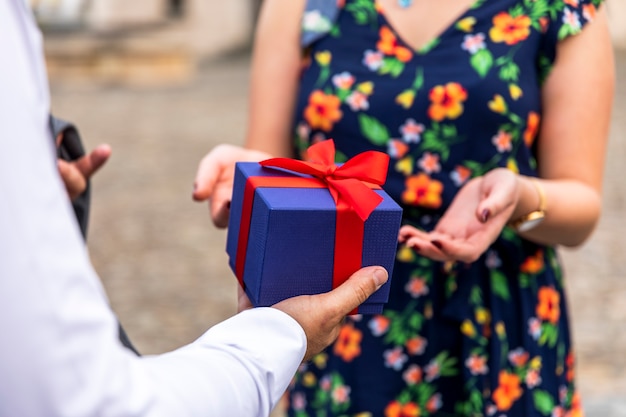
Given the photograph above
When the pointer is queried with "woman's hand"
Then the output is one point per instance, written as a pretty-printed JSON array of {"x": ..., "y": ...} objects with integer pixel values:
[
  {"x": 214, "y": 178},
  {"x": 473, "y": 221}
]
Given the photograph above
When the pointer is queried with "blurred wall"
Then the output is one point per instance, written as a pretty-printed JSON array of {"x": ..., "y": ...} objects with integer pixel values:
[
  {"x": 616, "y": 10},
  {"x": 209, "y": 26}
]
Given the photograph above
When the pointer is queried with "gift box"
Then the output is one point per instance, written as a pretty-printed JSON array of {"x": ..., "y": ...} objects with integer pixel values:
[{"x": 300, "y": 228}]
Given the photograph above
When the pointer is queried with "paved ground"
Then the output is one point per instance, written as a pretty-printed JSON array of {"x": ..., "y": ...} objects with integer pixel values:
[{"x": 164, "y": 266}]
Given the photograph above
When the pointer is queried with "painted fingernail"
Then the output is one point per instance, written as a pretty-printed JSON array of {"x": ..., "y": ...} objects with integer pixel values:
[
  {"x": 437, "y": 244},
  {"x": 485, "y": 215}
]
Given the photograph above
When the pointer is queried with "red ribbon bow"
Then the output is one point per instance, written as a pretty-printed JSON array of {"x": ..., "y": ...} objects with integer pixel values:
[{"x": 348, "y": 182}]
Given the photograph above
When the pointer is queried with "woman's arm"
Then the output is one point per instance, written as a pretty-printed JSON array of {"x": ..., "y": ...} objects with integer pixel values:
[
  {"x": 577, "y": 102},
  {"x": 276, "y": 64}
]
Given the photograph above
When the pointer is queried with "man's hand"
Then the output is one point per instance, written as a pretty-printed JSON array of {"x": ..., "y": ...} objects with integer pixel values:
[
  {"x": 214, "y": 179},
  {"x": 321, "y": 315},
  {"x": 75, "y": 174}
]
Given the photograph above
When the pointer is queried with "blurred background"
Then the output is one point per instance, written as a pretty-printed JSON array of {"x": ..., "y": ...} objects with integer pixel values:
[{"x": 163, "y": 81}]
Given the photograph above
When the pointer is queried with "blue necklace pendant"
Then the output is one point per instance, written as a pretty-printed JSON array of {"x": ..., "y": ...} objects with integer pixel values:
[{"x": 405, "y": 3}]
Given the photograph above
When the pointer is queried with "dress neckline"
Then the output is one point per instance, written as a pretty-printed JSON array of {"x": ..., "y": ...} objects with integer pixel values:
[{"x": 431, "y": 43}]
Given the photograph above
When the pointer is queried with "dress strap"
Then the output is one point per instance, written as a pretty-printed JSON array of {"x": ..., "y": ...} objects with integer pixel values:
[{"x": 318, "y": 19}]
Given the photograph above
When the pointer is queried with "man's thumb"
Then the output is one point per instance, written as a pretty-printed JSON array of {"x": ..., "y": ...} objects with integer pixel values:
[{"x": 359, "y": 287}]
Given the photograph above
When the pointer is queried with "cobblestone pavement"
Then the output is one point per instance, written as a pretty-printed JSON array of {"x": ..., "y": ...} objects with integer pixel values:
[{"x": 164, "y": 265}]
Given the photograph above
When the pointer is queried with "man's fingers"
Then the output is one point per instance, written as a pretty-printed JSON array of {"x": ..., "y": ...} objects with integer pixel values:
[
  {"x": 92, "y": 162},
  {"x": 73, "y": 179},
  {"x": 357, "y": 289}
]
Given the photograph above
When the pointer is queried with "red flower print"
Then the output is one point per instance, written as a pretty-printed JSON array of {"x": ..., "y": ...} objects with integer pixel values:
[
  {"x": 508, "y": 391},
  {"x": 477, "y": 364},
  {"x": 323, "y": 110},
  {"x": 589, "y": 12},
  {"x": 446, "y": 101},
  {"x": 423, "y": 191},
  {"x": 518, "y": 357},
  {"x": 533, "y": 264},
  {"x": 429, "y": 163},
  {"x": 460, "y": 175},
  {"x": 509, "y": 29},
  {"x": 434, "y": 403},
  {"x": 502, "y": 141},
  {"x": 549, "y": 308},
  {"x": 396, "y": 148},
  {"x": 348, "y": 344},
  {"x": 413, "y": 375},
  {"x": 396, "y": 409},
  {"x": 394, "y": 358},
  {"x": 532, "y": 127},
  {"x": 341, "y": 394},
  {"x": 533, "y": 379},
  {"x": 416, "y": 345},
  {"x": 416, "y": 287},
  {"x": 379, "y": 325},
  {"x": 388, "y": 45}
]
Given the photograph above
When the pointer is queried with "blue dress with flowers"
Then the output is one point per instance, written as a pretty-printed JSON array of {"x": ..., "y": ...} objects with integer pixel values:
[{"x": 489, "y": 338}]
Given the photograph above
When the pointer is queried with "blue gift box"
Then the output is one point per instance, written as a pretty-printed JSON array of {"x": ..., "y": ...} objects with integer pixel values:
[{"x": 291, "y": 239}]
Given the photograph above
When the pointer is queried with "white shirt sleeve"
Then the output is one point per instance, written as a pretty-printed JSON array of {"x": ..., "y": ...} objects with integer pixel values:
[{"x": 59, "y": 351}]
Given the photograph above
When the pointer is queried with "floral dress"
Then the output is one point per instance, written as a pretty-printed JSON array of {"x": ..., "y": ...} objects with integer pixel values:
[{"x": 489, "y": 338}]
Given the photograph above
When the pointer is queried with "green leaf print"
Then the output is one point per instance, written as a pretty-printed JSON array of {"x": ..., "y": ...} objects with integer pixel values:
[
  {"x": 419, "y": 79},
  {"x": 544, "y": 403},
  {"x": 482, "y": 61},
  {"x": 430, "y": 45},
  {"x": 363, "y": 11},
  {"x": 500, "y": 285},
  {"x": 549, "y": 335},
  {"x": 538, "y": 9},
  {"x": 447, "y": 364},
  {"x": 509, "y": 72},
  {"x": 373, "y": 130},
  {"x": 567, "y": 30},
  {"x": 391, "y": 66}
]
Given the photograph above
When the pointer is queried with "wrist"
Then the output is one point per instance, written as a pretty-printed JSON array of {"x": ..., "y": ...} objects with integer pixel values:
[{"x": 531, "y": 206}]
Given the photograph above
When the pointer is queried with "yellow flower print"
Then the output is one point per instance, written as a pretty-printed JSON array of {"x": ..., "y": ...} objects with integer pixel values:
[
  {"x": 405, "y": 98},
  {"x": 405, "y": 165},
  {"x": 423, "y": 191},
  {"x": 309, "y": 379},
  {"x": 468, "y": 329},
  {"x": 405, "y": 254},
  {"x": 515, "y": 91},
  {"x": 500, "y": 329},
  {"x": 320, "y": 360},
  {"x": 535, "y": 363},
  {"x": 498, "y": 105},
  {"x": 511, "y": 165},
  {"x": 509, "y": 29},
  {"x": 446, "y": 101},
  {"x": 366, "y": 87},
  {"x": 482, "y": 315},
  {"x": 323, "y": 58},
  {"x": 466, "y": 25}
]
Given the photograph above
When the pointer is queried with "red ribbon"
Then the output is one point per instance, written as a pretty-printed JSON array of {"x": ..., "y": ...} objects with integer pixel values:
[{"x": 350, "y": 185}]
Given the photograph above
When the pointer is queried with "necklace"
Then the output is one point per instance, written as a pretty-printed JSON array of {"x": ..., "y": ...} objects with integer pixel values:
[{"x": 405, "y": 3}]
